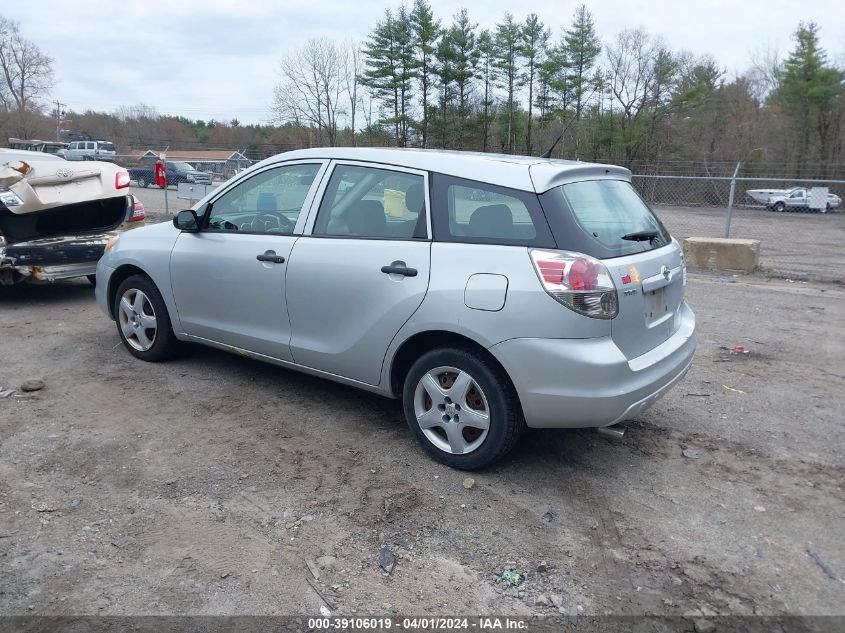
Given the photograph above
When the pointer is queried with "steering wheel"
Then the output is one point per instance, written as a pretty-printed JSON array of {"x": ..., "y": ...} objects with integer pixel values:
[{"x": 283, "y": 223}]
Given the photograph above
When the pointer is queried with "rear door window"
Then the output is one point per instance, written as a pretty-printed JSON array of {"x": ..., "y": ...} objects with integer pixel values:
[{"x": 477, "y": 212}]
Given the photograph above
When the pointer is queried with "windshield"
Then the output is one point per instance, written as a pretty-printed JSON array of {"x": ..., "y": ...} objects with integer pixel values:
[
  {"x": 603, "y": 218},
  {"x": 182, "y": 166}
]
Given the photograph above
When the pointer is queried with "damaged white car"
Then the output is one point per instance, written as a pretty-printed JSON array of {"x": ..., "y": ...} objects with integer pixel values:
[{"x": 56, "y": 217}]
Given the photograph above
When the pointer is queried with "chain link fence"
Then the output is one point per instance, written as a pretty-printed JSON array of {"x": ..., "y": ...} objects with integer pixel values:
[
  {"x": 800, "y": 223},
  {"x": 797, "y": 241}
]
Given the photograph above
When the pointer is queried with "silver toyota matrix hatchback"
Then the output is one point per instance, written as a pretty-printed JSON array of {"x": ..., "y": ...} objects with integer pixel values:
[{"x": 487, "y": 292}]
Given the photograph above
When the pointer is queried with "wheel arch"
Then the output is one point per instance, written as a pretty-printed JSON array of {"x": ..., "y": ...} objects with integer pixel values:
[
  {"x": 416, "y": 345},
  {"x": 120, "y": 274}
]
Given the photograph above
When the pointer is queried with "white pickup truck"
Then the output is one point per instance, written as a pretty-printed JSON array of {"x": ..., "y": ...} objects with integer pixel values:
[{"x": 796, "y": 199}]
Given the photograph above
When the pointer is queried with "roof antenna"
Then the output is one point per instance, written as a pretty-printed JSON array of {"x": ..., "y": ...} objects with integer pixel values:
[{"x": 548, "y": 152}]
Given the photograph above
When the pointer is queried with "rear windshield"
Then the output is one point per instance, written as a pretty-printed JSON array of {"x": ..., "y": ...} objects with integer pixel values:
[{"x": 603, "y": 218}]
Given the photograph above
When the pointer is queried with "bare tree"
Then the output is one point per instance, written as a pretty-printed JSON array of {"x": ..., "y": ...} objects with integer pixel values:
[
  {"x": 765, "y": 72},
  {"x": 353, "y": 64},
  {"x": 312, "y": 87},
  {"x": 642, "y": 73},
  {"x": 27, "y": 75}
]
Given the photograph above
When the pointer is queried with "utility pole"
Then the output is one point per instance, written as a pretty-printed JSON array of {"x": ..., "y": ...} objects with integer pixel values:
[{"x": 59, "y": 115}]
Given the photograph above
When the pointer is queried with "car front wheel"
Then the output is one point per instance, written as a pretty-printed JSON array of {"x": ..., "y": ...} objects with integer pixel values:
[
  {"x": 462, "y": 408},
  {"x": 143, "y": 322}
]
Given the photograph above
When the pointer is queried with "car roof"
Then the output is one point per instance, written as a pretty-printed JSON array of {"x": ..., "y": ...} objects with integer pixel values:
[{"x": 528, "y": 173}]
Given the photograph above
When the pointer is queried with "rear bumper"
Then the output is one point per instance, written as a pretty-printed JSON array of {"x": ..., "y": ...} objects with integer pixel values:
[
  {"x": 572, "y": 383},
  {"x": 51, "y": 259}
]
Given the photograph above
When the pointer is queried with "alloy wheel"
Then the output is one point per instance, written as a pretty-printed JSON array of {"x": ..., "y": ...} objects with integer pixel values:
[
  {"x": 137, "y": 319},
  {"x": 452, "y": 410}
]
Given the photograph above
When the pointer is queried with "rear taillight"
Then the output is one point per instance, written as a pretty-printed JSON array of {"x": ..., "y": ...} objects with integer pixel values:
[
  {"x": 138, "y": 212},
  {"x": 121, "y": 180},
  {"x": 580, "y": 282}
]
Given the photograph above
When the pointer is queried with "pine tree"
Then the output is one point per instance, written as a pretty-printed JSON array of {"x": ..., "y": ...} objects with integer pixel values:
[
  {"x": 465, "y": 54},
  {"x": 404, "y": 37},
  {"x": 426, "y": 33},
  {"x": 381, "y": 67},
  {"x": 488, "y": 73},
  {"x": 811, "y": 93},
  {"x": 534, "y": 38},
  {"x": 582, "y": 47},
  {"x": 507, "y": 42},
  {"x": 445, "y": 71}
]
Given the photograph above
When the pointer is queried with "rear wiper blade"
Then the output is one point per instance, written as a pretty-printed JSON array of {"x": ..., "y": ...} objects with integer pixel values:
[{"x": 641, "y": 236}]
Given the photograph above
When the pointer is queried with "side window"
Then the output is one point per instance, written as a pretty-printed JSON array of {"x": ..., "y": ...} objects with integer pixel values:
[
  {"x": 91, "y": 146},
  {"x": 372, "y": 202},
  {"x": 469, "y": 211},
  {"x": 268, "y": 202}
]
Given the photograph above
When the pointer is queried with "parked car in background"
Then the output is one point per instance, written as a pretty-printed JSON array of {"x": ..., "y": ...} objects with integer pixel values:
[
  {"x": 56, "y": 217},
  {"x": 89, "y": 150},
  {"x": 177, "y": 172},
  {"x": 561, "y": 304}
]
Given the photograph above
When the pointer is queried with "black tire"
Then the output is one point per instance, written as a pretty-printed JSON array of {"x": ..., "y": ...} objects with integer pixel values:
[
  {"x": 164, "y": 342},
  {"x": 92, "y": 279},
  {"x": 780, "y": 207},
  {"x": 142, "y": 182},
  {"x": 506, "y": 422}
]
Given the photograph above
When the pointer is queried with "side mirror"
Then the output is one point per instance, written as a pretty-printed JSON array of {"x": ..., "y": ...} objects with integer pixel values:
[{"x": 186, "y": 221}]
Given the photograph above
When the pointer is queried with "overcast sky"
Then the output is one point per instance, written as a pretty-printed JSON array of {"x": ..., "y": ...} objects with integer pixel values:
[{"x": 219, "y": 59}]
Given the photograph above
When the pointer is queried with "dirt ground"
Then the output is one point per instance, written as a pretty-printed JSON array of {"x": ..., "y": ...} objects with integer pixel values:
[{"x": 210, "y": 484}]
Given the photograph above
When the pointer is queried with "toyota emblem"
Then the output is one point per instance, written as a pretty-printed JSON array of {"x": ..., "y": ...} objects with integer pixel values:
[{"x": 64, "y": 172}]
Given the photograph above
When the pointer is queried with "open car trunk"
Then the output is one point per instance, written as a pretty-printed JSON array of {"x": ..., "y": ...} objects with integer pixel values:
[{"x": 79, "y": 219}]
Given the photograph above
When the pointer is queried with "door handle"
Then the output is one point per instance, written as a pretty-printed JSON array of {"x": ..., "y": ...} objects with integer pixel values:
[
  {"x": 399, "y": 270},
  {"x": 270, "y": 256}
]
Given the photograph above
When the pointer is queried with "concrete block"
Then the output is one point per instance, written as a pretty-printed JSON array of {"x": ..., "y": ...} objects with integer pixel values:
[{"x": 719, "y": 253}]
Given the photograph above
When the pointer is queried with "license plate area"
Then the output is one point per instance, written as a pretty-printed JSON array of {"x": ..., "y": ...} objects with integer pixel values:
[{"x": 656, "y": 306}]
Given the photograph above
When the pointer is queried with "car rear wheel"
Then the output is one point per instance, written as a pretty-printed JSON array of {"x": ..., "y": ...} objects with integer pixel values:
[
  {"x": 780, "y": 207},
  {"x": 142, "y": 182},
  {"x": 462, "y": 408},
  {"x": 143, "y": 322}
]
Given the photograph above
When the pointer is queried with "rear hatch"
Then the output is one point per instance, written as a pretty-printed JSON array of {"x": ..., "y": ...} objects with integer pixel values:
[{"x": 606, "y": 219}]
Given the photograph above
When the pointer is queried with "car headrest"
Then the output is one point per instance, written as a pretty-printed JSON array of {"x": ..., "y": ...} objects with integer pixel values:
[
  {"x": 492, "y": 220},
  {"x": 415, "y": 198},
  {"x": 266, "y": 202},
  {"x": 367, "y": 218}
]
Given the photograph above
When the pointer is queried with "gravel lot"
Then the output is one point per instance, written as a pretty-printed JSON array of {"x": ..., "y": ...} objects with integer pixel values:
[
  {"x": 794, "y": 245},
  {"x": 207, "y": 485}
]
